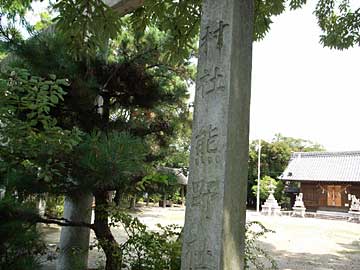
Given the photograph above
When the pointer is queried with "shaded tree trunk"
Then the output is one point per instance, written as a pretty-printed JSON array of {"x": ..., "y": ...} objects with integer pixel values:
[
  {"x": 182, "y": 192},
  {"x": 133, "y": 202},
  {"x": 118, "y": 197},
  {"x": 103, "y": 233}
]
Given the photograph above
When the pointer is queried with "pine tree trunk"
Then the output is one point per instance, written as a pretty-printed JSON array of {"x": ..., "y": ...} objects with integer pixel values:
[
  {"x": 74, "y": 241},
  {"x": 103, "y": 233}
]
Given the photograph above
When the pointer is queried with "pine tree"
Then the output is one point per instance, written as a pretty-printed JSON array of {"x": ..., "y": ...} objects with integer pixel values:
[{"x": 123, "y": 112}]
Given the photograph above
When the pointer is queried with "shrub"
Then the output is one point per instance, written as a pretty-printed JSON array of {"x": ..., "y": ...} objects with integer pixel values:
[
  {"x": 161, "y": 249},
  {"x": 20, "y": 244},
  {"x": 146, "y": 249},
  {"x": 257, "y": 257},
  {"x": 55, "y": 206}
]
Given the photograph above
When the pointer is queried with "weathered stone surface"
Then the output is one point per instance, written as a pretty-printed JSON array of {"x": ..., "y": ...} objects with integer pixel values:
[
  {"x": 215, "y": 215},
  {"x": 74, "y": 241},
  {"x": 124, "y": 6}
]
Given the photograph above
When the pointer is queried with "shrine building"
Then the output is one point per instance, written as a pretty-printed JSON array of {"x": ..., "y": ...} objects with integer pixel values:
[{"x": 326, "y": 179}]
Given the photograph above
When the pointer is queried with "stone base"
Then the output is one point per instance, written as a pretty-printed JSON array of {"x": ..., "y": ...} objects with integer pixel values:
[
  {"x": 298, "y": 211},
  {"x": 270, "y": 210},
  {"x": 354, "y": 215}
]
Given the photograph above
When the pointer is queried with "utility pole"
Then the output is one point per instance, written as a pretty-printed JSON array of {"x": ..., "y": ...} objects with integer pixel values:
[{"x": 258, "y": 181}]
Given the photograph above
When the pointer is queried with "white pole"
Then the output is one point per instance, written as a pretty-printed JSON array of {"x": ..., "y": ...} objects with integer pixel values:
[{"x": 258, "y": 181}]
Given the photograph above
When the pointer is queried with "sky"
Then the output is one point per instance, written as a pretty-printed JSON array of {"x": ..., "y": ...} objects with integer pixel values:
[
  {"x": 299, "y": 88},
  {"x": 303, "y": 90}
]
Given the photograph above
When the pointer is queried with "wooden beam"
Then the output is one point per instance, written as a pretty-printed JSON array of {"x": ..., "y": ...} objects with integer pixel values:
[{"x": 124, "y": 6}]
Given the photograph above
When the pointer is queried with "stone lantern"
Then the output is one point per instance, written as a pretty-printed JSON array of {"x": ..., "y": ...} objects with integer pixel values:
[{"x": 271, "y": 206}]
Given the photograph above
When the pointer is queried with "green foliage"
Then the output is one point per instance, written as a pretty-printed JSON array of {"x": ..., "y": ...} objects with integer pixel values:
[
  {"x": 338, "y": 19},
  {"x": 12, "y": 17},
  {"x": 13, "y": 8},
  {"x": 161, "y": 249},
  {"x": 176, "y": 196},
  {"x": 21, "y": 244},
  {"x": 33, "y": 148},
  {"x": 55, "y": 206},
  {"x": 45, "y": 21},
  {"x": 159, "y": 183},
  {"x": 265, "y": 183},
  {"x": 160, "y": 178},
  {"x": 144, "y": 106},
  {"x": 294, "y": 4},
  {"x": 86, "y": 25},
  {"x": 142, "y": 112},
  {"x": 185, "y": 21},
  {"x": 183, "y": 26},
  {"x": 31, "y": 98},
  {"x": 145, "y": 249},
  {"x": 256, "y": 257},
  {"x": 104, "y": 161},
  {"x": 339, "y": 22}
]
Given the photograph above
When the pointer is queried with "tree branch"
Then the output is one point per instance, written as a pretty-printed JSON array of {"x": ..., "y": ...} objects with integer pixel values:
[
  {"x": 63, "y": 222},
  {"x": 33, "y": 218}
]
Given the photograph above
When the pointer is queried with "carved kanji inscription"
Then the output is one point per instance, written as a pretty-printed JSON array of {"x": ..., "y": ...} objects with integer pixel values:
[
  {"x": 213, "y": 34},
  {"x": 212, "y": 81},
  {"x": 206, "y": 146}
]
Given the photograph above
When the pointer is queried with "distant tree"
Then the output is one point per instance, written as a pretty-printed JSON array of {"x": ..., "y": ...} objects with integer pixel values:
[
  {"x": 275, "y": 156},
  {"x": 265, "y": 183}
]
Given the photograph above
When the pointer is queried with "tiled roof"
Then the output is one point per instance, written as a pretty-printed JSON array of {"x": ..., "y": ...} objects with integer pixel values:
[{"x": 323, "y": 166}]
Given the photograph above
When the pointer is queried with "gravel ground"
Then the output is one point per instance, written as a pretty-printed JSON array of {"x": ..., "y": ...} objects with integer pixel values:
[
  {"x": 310, "y": 243},
  {"x": 297, "y": 244}
]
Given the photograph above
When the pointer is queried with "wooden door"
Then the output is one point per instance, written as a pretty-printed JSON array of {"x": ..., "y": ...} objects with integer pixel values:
[
  {"x": 310, "y": 194},
  {"x": 334, "y": 195}
]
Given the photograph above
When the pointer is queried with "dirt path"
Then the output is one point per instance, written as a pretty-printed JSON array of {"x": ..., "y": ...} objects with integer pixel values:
[{"x": 297, "y": 244}]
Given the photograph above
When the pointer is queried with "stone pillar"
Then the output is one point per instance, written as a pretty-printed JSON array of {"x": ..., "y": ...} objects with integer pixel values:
[
  {"x": 214, "y": 230},
  {"x": 74, "y": 241}
]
